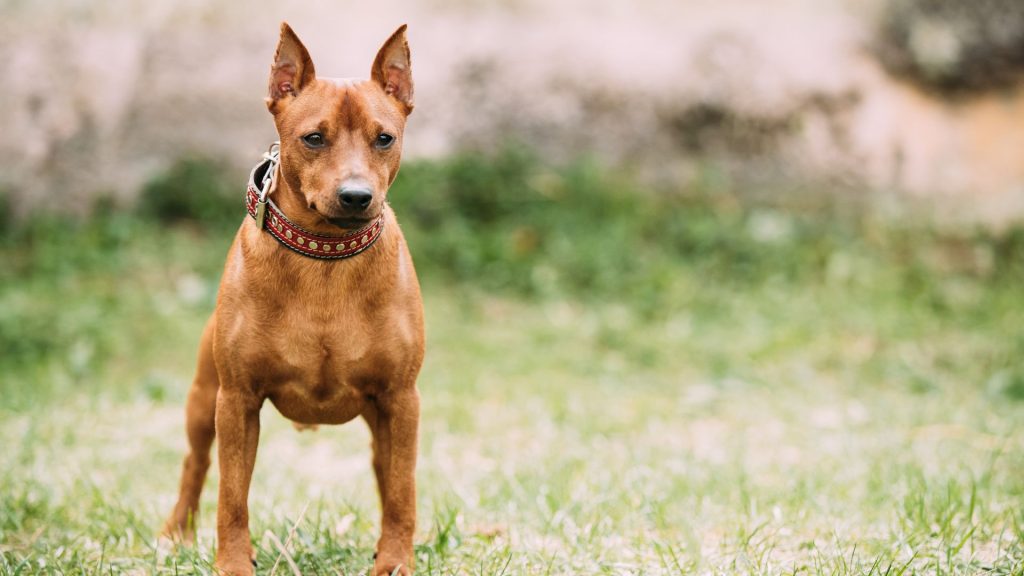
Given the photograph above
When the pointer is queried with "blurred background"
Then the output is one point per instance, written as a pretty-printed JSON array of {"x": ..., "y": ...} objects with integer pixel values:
[
  {"x": 711, "y": 286},
  {"x": 910, "y": 96}
]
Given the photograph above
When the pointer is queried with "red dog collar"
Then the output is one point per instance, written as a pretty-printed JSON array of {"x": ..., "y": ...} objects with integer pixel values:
[{"x": 267, "y": 215}]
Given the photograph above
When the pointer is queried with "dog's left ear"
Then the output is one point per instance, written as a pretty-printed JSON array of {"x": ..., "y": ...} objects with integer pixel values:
[
  {"x": 292, "y": 69},
  {"x": 392, "y": 69}
]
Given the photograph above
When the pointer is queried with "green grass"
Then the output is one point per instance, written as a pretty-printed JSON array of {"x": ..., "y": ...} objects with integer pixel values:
[{"x": 617, "y": 382}]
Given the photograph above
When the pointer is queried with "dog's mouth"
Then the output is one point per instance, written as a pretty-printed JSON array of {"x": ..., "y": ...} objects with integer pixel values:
[
  {"x": 349, "y": 222},
  {"x": 345, "y": 222}
]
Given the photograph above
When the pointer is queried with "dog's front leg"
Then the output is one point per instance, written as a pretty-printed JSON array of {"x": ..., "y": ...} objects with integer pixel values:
[
  {"x": 395, "y": 436},
  {"x": 238, "y": 433}
]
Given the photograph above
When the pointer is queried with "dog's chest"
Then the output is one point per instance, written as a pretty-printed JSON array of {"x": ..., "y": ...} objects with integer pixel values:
[
  {"x": 318, "y": 339},
  {"x": 317, "y": 374},
  {"x": 332, "y": 345},
  {"x": 321, "y": 364}
]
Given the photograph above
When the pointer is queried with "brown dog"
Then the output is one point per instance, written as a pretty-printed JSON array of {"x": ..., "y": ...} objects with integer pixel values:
[{"x": 319, "y": 308}]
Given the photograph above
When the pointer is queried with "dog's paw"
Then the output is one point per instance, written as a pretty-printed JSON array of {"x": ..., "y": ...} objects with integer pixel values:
[
  {"x": 176, "y": 533},
  {"x": 390, "y": 565},
  {"x": 391, "y": 570},
  {"x": 246, "y": 567}
]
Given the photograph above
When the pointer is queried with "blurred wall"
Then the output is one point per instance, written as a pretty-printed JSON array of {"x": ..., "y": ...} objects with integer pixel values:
[{"x": 101, "y": 96}]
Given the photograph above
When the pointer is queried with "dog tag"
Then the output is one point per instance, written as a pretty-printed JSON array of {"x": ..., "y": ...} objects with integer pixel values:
[{"x": 261, "y": 213}]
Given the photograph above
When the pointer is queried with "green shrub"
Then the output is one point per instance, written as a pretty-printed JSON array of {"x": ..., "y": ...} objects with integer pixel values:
[
  {"x": 6, "y": 219},
  {"x": 513, "y": 222},
  {"x": 193, "y": 189}
]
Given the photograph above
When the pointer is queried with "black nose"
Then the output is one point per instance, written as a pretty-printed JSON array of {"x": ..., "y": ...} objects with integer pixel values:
[{"x": 355, "y": 198}]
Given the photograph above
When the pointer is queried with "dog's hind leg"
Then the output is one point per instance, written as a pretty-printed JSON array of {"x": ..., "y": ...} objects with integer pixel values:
[{"x": 200, "y": 411}]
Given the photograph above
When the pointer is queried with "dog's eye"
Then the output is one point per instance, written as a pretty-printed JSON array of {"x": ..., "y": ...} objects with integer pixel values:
[
  {"x": 314, "y": 140},
  {"x": 384, "y": 141}
]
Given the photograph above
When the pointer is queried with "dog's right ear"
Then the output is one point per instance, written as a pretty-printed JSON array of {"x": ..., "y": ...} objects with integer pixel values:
[{"x": 292, "y": 69}]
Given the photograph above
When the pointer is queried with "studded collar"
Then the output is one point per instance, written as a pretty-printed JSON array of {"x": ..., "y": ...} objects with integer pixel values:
[{"x": 269, "y": 217}]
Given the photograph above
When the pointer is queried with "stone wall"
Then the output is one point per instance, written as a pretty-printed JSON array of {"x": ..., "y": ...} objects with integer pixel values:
[{"x": 100, "y": 98}]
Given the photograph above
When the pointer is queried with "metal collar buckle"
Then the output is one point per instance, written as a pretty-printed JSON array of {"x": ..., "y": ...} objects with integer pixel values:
[{"x": 273, "y": 154}]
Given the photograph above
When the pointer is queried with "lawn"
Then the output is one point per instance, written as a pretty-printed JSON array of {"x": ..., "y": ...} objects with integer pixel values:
[{"x": 759, "y": 390}]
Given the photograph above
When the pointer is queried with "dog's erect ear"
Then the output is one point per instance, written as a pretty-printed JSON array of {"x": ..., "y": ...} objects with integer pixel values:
[
  {"x": 292, "y": 69},
  {"x": 392, "y": 69}
]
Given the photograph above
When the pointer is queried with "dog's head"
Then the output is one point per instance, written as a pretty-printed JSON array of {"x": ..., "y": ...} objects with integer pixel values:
[{"x": 341, "y": 140}]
